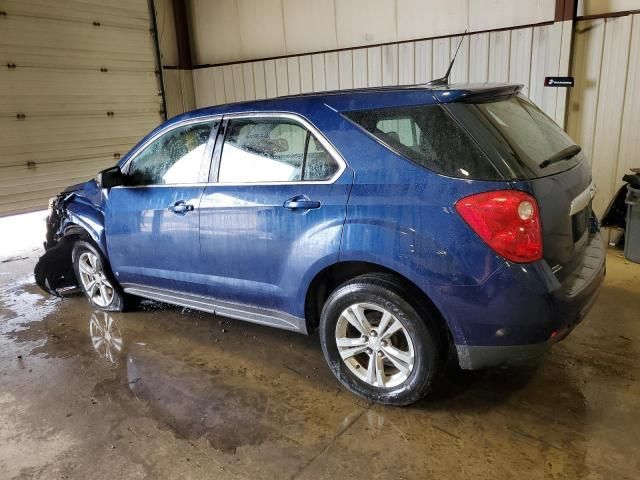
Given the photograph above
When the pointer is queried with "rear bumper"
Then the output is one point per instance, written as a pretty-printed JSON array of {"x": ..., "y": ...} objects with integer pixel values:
[
  {"x": 474, "y": 357},
  {"x": 521, "y": 311}
]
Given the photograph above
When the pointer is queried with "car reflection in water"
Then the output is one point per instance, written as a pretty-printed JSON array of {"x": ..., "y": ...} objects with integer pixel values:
[
  {"x": 106, "y": 336},
  {"x": 196, "y": 401}
]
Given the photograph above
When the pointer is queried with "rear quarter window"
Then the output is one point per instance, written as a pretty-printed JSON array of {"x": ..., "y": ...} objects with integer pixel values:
[{"x": 428, "y": 136}]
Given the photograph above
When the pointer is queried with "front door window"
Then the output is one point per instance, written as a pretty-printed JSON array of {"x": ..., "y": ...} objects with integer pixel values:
[{"x": 174, "y": 158}]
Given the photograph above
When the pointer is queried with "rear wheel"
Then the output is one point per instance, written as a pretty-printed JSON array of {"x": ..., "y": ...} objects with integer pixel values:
[
  {"x": 378, "y": 344},
  {"x": 95, "y": 279}
]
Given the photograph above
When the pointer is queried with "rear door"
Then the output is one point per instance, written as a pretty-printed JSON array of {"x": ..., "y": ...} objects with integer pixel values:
[
  {"x": 152, "y": 222},
  {"x": 275, "y": 211}
]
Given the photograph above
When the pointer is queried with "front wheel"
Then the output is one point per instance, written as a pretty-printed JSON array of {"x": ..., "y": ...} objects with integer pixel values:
[
  {"x": 378, "y": 344},
  {"x": 95, "y": 279}
]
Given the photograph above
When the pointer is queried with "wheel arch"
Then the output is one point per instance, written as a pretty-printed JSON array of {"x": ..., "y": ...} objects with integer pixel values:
[
  {"x": 336, "y": 274},
  {"x": 85, "y": 220}
]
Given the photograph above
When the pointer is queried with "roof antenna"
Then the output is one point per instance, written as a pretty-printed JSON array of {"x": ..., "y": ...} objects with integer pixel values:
[{"x": 442, "y": 81}]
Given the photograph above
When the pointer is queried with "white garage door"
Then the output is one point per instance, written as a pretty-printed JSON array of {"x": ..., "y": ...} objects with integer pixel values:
[{"x": 77, "y": 89}]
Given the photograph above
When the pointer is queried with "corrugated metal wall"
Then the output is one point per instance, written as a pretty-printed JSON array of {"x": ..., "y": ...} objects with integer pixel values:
[
  {"x": 604, "y": 106},
  {"x": 522, "y": 55},
  {"x": 75, "y": 61}
]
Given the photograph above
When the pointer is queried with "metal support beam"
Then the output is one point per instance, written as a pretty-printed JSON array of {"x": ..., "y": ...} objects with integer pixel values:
[{"x": 182, "y": 34}]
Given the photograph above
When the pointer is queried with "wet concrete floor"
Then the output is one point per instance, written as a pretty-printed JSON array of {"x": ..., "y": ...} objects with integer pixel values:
[{"x": 169, "y": 393}]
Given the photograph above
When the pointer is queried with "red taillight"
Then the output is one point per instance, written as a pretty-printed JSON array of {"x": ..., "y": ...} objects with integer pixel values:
[{"x": 507, "y": 220}]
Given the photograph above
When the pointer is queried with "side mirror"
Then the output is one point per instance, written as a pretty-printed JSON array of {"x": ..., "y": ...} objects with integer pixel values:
[{"x": 110, "y": 177}]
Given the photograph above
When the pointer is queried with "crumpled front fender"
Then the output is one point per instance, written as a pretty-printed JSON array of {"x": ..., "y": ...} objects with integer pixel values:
[
  {"x": 71, "y": 216},
  {"x": 90, "y": 219}
]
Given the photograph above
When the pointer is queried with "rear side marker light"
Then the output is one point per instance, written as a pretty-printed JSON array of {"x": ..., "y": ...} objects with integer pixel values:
[{"x": 507, "y": 220}]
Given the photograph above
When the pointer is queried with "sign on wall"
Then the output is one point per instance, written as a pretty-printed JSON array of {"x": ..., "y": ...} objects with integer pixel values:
[{"x": 561, "y": 82}]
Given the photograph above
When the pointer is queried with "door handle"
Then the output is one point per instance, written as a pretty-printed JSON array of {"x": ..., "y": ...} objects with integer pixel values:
[
  {"x": 301, "y": 202},
  {"x": 180, "y": 207}
]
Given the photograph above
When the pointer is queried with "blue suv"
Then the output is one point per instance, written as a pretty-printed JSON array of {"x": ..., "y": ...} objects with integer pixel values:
[{"x": 408, "y": 225}]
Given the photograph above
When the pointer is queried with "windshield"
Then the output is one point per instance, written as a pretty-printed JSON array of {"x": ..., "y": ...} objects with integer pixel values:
[{"x": 527, "y": 142}]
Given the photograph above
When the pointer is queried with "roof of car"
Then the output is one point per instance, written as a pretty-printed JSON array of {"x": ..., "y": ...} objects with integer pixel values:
[{"x": 363, "y": 98}]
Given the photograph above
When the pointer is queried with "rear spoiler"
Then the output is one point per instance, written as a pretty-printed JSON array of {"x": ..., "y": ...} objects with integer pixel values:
[{"x": 475, "y": 95}]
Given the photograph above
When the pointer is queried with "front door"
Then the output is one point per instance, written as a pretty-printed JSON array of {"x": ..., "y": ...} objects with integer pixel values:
[
  {"x": 152, "y": 222},
  {"x": 276, "y": 211}
]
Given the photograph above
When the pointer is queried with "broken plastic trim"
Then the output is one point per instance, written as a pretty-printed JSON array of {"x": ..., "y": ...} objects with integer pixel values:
[{"x": 54, "y": 270}]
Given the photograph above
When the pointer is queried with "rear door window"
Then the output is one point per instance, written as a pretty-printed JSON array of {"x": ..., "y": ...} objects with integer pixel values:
[
  {"x": 265, "y": 150},
  {"x": 428, "y": 136}
]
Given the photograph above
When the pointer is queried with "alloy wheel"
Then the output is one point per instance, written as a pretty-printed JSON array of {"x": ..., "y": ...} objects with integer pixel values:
[
  {"x": 374, "y": 345},
  {"x": 95, "y": 283}
]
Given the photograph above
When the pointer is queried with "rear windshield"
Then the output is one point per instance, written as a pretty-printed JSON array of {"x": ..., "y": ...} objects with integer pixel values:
[
  {"x": 430, "y": 137},
  {"x": 521, "y": 140}
]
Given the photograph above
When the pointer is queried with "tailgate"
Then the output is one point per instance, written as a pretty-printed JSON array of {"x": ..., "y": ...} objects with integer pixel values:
[{"x": 564, "y": 200}]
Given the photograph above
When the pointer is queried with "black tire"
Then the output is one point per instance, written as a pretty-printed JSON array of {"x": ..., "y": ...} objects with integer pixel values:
[
  {"x": 119, "y": 301},
  {"x": 419, "y": 322}
]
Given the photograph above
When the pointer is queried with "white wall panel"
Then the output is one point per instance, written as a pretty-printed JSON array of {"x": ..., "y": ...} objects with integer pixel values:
[
  {"x": 317, "y": 64},
  {"x": 218, "y": 85},
  {"x": 247, "y": 78},
  {"x": 494, "y": 14},
  {"x": 179, "y": 91},
  {"x": 310, "y": 36},
  {"x": 520, "y": 57},
  {"x": 261, "y": 25},
  {"x": 345, "y": 68},
  {"x": 229, "y": 86},
  {"x": 460, "y": 70},
  {"x": 259, "y": 81},
  {"x": 629, "y": 156},
  {"x": 204, "y": 87},
  {"x": 615, "y": 54},
  {"x": 215, "y": 31},
  {"x": 406, "y": 64},
  {"x": 238, "y": 82},
  {"x": 270, "y": 78},
  {"x": 293, "y": 73},
  {"x": 226, "y": 31},
  {"x": 441, "y": 56},
  {"x": 431, "y": 18},
  {"x": 282, "y": 80},
  {"x": 604, "y": 107},
  {"x": 499, "y": 55},
  {"x": 306, "y": 74},
  {"x": 365, "y": 22},
  {"x": 545, "y": 61},
  {"x": 583, "y": 101},
  {"x": 564, "y": 66},
  {"x": 360, "y": 68},
  {"x": 390, "y": 64},
  {"x": 374, "y": 66},
  {"x": 423, "y": 60},
  {"x": 332, "y": 74},
  {"x": 479, "y": 57}
]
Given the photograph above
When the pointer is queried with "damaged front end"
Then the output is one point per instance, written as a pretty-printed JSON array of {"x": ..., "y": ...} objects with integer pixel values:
[{"x": 54, "y": 270}]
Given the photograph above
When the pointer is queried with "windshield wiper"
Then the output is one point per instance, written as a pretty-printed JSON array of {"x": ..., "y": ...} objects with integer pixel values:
[{"x": 564, "y": 154}]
